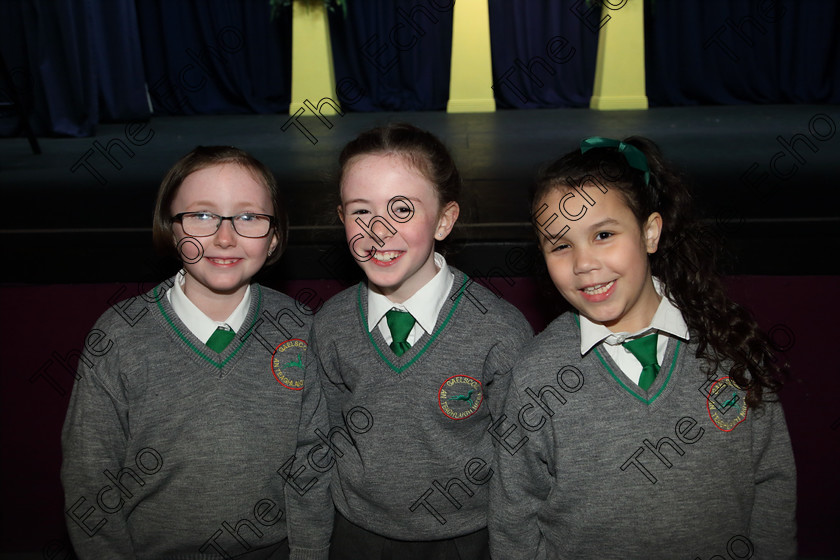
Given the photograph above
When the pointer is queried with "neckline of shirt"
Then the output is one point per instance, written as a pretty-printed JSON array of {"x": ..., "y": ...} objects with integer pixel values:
[
  {"x": 198, "y": 323},
  {"x": 668, "y": 319},
  {"x": 424, "y": 305}
]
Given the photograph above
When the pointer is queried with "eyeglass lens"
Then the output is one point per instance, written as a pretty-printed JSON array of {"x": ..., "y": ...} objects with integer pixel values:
[{"x": 246, "y": 225}]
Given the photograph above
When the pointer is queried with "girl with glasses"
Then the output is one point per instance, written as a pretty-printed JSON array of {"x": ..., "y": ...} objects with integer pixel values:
[{"x": 193, "y": 399}]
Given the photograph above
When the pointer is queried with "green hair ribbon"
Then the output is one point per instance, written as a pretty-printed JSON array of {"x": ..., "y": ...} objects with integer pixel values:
[{"x": 634, "y": 156}]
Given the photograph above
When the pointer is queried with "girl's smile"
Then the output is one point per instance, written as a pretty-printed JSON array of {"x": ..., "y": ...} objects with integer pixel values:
[
  {"x": 598, "y": 292},
  {"x": 223, "y": 262},
  {"x": 386, "y": 258}
]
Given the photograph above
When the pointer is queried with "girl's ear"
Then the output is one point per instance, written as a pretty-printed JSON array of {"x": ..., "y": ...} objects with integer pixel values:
[
  {"x": 275, "y": 241},
  {"x": 448, "y": 216},
  {"x": 340, "y": 210},
  {"x": 652, "y": 230}
]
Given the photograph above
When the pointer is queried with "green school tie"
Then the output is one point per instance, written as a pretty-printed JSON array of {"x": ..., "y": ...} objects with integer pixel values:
[
  {"x": 219, "y": 340},
  {"x": 644, "y": 349},
  {"x": 400, "y": 324}
]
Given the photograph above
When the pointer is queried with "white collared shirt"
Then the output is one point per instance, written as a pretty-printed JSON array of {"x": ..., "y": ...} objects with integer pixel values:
[
  {"x": 424, "y": 305},
  {"x": 194, "y": 318},
  {"x": 666, "y": 322}
]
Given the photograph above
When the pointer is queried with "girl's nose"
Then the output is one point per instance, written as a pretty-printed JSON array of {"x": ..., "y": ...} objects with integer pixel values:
[
  {"x": 585, "y": 260},
  {"x": 226, "y": 236},
  {"x": 381, "y": 228}
]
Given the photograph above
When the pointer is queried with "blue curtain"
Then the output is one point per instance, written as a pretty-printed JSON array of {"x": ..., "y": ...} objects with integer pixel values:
[
  {"x": 392, "y": 55},
  {"x": 77, "y": 62},
  {"x": 81, "y": 62},
  {"x": 742, "y": 51},
  {"x": 543, "y": 52},
  {"x": 215, "y": 56}
]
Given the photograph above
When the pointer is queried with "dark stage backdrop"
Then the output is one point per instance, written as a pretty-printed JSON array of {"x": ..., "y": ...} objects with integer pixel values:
[
  {"x": 393, "y": 55},
  {"x": 76, "y": 63},
  {"x": 81, "y": 62},
  {"x": 742, "y": 51},
  {"x": 204, "y": 57},
  {"x": 543, "y": 53}
]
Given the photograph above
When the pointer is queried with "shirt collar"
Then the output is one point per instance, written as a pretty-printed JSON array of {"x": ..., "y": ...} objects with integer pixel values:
[
  {"x": 196, "y": 321},
  {"x": 424, "y": 305},
  {"x": 667, "y": 319}
]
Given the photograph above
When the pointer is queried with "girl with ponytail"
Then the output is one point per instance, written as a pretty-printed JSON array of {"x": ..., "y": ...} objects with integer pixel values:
[{"x": 652, "y": 431}]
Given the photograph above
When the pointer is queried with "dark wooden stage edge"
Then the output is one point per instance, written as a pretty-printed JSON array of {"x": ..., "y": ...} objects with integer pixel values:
[{"x": 763, "y": 175}]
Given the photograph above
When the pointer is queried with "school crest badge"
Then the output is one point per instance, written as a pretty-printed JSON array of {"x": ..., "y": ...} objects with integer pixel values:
[
  {"x": 287, "y": 363},
  {"x": 726, "y": 403},
  {"x": 460, "y": 396}
]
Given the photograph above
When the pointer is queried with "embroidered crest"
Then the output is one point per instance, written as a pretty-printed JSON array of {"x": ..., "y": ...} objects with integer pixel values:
[
  {"x": 460, "y": 396},
  {"x": 287, "y": 363},
  {"x": 726, "y": 403}
]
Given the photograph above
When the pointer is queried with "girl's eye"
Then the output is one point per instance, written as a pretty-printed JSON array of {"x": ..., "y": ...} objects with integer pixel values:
[
  {"x": 402, "y": 210},
  {"x": 247, "y": 217},
  {"x": 203, "y": 216},
  {"x": 603, "y": 235},
  {"x": 560, "y": 247},
  {"x": 359, "y": 211}
]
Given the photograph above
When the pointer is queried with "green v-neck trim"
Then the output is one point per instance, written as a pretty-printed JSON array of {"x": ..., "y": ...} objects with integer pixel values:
[
  {"x": 394, "y": 367},
  {"x": 215, "y": 363},
  {"x": 622, "y": 383}
]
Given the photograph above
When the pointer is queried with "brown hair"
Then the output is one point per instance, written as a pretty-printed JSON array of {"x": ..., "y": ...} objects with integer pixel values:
[
  {"x": 686, "y": 260},
  {"x": 421, "y": 149},
  {"x": 203, "y": 157}
]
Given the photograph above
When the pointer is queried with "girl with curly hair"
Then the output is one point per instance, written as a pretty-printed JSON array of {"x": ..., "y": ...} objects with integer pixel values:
[{"x": 641, "y": 424}]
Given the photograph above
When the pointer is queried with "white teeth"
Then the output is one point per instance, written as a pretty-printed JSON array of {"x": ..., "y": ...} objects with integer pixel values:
[
  {"x": 599, "y": 289},
  {"x": 386, "y": 256},
  {"x": 223, "y": 261}
]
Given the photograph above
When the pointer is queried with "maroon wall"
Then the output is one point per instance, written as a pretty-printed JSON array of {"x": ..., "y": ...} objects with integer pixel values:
[{"x": 44, "y": 327}]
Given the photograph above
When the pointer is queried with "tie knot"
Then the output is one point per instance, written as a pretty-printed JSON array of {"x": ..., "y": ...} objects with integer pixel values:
[
  {"x": 644, "y": 349},
  {"x": 400, "y": 323},
  {"x": 220, "y": 339}
]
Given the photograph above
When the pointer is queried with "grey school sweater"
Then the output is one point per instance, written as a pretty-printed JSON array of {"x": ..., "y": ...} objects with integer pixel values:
[
  {"x": 410, "y": 433},
  {"x": 591, "y": 466},
  {"x": 174, "y": 451}
]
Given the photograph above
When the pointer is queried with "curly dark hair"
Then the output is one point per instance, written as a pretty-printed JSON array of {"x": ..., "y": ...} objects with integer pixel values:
[{"x": 686, "y": 260}]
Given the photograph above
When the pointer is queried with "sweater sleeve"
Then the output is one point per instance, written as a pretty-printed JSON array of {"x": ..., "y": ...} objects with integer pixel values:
[
  {"x": 772, "y": 524},
  {"x": 519, "y": 488},
  {"x": 309, "y": 506},
  {"x": 502, "y": 359},
  {"x": 94, "y": 441}
]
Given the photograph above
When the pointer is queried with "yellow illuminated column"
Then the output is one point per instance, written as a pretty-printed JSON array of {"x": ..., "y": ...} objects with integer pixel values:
[
  {"x": 312, "y": 65},
  {"x": 620, "y": 70},
  {"x": 471, "y": 73}
]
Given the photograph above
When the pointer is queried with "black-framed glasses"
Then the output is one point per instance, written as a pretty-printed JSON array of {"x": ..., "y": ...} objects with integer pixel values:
[{"x": 204, "y": 224}]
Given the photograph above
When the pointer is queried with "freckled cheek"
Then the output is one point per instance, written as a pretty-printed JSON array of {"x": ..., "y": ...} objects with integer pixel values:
[
  {"x": 418, "y": 230},
  {"x": 419, "y": 239}
]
